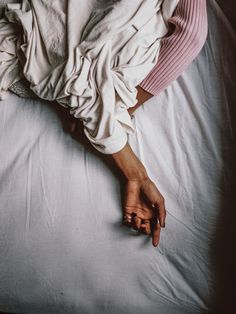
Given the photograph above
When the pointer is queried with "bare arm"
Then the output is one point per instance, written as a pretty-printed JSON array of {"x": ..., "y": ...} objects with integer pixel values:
[{"x": 143, "y": 201}]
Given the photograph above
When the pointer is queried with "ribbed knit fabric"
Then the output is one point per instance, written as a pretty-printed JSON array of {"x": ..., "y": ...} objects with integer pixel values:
[{"x": 181, "y": 46}]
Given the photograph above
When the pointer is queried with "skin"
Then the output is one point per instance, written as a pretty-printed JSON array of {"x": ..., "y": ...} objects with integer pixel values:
[{"x": 144, "y": 205}]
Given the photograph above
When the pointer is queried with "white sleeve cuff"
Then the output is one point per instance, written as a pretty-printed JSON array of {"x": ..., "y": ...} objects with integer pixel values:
[{"x": 111, "y": 144}]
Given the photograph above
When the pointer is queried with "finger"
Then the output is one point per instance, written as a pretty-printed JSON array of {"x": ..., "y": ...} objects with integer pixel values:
[
  {"x": 140, "y": 214},
  {"x": 148, "y": 228},
  {"x": 161, "y": 212},
  {"x": 127, "y": 218},
  {"x": 156, "y": 233},
  {"x": 154, "y": 197},
  {"x": 145, "y": 213},
  {"x": 137, "y": 222},
  {"x": 133, "y": 221},
  {"x": 131, "y": 210},
  {"x": 145, "y": 227},
  {"x": 136, "y": 211}
]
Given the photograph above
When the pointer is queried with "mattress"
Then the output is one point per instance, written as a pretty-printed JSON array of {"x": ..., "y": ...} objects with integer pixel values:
[{"x": 63, "y": 246}]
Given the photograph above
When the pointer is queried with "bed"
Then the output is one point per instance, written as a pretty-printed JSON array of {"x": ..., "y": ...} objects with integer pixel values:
[{"x": 63, "y": 246}]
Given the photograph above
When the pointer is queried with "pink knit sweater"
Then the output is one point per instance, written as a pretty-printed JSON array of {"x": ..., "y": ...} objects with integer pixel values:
[{"x": 181, "y": 46}]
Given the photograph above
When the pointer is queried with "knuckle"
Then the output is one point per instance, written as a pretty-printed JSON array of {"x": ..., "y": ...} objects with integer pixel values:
[
  {"x": 162, "y": 200},
  {"x": 127, "y": 210}
]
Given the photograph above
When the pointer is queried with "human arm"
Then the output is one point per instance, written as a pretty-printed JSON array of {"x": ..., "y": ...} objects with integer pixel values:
[
  {"x": 188, "y": 28},
  {"x": 187, "y": 35},
  {"x": 143, "y": 201},
  {"x": 180, "y": 46}
]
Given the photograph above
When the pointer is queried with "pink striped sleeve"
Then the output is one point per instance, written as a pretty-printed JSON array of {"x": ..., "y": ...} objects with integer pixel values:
[{"x": 182, "y": 45}]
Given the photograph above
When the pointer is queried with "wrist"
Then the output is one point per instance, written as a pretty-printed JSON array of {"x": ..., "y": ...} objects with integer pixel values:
[
  {"x": 129, "y": 164},
  {"x": 142, "y": 95},
  {"x": 135, "y": 173}
]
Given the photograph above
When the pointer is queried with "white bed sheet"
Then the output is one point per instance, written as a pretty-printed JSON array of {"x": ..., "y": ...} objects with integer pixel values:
[{"x": 63, "y": 248}]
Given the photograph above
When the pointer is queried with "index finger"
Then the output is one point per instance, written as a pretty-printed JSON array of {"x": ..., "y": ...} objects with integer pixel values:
[
  {"x": 161, "y": 212},
  {"x": 156, "y": 231}
]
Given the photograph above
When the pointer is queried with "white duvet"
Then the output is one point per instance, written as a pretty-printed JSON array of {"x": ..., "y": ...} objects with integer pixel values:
[
  {"x": 63, "y": 248},
  {"x": 87, "y": 55}
]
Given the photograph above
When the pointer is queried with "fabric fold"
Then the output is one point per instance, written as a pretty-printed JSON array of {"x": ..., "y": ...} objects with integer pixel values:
[{"x": 88, "y": 56}]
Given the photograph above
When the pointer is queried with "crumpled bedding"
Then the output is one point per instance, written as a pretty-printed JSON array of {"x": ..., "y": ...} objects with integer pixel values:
[
  {"x": 62, "y": 246},
  {"x": 86, "y": 55}
]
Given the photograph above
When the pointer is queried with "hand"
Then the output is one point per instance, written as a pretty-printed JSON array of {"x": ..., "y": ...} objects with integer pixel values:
[
  {"x": 142, "y": 96},
  {"x": 144, "y": 208}
]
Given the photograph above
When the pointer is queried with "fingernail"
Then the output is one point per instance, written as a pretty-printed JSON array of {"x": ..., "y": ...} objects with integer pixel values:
[
  {"x": 154, "y": 243},
  {"x": 163, "y": 223}
]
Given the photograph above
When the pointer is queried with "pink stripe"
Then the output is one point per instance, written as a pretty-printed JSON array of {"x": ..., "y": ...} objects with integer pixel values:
[{"x": 179, "y": 48}]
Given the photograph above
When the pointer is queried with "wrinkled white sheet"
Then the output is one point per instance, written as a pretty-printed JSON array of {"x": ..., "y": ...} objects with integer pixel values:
[
  {"x": 87, "y": 55},
  {"x": 62, "y": 247}
]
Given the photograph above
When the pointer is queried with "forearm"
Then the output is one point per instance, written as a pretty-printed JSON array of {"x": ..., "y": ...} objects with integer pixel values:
[
  {"x": 129, "y": 164},
  {"x": 188, "y": 31}
]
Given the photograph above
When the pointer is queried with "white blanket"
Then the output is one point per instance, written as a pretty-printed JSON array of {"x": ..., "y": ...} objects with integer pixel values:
[{"x": 88, "y": 55}]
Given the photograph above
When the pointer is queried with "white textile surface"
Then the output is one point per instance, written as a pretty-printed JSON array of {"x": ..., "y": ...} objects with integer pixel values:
[
  {"x": 86, "y": 55},
  {"x": 63, "y": 248}
]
